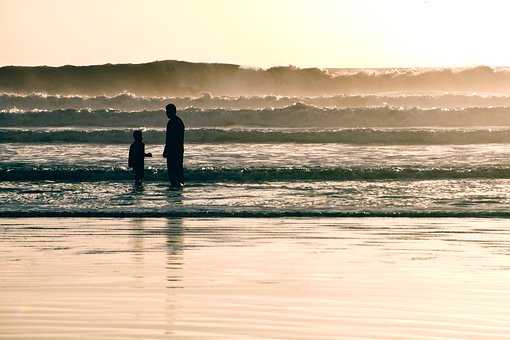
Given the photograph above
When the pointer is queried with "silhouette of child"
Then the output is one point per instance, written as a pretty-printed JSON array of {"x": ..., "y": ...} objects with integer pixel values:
[{"x": 137, "y": 155}]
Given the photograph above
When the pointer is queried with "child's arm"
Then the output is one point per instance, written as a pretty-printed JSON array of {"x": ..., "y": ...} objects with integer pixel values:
[{"x": 146, "y": 154}]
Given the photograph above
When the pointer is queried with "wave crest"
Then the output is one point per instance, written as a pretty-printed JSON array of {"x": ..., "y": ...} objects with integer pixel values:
[
  {"x": 297, "y": 115},
  {"x": 129, "y": 102}
]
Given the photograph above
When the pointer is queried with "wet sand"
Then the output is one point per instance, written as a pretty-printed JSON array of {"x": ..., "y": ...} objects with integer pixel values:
[{"x": 289, "y": 278}]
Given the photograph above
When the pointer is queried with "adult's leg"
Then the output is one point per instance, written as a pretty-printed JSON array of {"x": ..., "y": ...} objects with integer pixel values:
[
  {"x": 180, "y": 169},
  {"x": 172, "y": 171}
]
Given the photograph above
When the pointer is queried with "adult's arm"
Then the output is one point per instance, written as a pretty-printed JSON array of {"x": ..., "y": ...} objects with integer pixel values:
[
  {"x": 131, "y": 156},
  {"x": 181, "y": 133},
  {"x": 167, "y": 137}
]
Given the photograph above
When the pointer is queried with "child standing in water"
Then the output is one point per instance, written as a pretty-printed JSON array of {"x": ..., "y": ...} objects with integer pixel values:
[{"x": 137, "y": 155}]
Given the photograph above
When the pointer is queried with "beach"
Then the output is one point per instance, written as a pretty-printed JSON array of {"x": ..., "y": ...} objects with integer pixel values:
[
  {"x": 254, "y": 170},
  {"x": 300, "y": 278}
]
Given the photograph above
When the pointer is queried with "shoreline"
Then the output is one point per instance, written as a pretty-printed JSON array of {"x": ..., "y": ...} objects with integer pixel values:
[{"x": 256, "y": 214}]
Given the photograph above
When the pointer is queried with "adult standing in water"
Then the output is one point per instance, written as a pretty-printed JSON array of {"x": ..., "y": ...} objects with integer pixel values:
[{"x": 174, "y": 147}]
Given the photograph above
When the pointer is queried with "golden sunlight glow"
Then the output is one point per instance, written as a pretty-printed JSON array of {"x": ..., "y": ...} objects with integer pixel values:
[{"x": 326, "y": 33}]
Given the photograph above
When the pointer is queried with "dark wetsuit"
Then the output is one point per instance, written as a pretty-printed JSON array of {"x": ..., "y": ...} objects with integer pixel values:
[
  {"x": 136, "y": 159},
  {"x": 174, "y": 150}
]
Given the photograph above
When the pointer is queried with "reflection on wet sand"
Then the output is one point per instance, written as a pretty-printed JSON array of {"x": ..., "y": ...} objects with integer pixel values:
[
  {"x": 173, "y": 270},
  {"x": 175, "y": 251},
  {"x": 246, "y": 278},
  {"x": 138, "y": 254}
]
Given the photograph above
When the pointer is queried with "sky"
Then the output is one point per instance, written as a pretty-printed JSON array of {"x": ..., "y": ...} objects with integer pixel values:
[{"x": 263, "y": 33}]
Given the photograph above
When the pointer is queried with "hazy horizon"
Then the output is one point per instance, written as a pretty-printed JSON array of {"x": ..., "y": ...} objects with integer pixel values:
[
  {"x": 336, "y": 34},
  {"x": 258, "y": 67}
]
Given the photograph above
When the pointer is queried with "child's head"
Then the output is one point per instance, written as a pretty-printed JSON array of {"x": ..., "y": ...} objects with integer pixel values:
[{"x": 137, "y": 135}]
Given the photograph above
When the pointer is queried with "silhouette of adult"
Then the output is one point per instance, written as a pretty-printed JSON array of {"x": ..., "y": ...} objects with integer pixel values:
[{"x": 174, "y": 146}]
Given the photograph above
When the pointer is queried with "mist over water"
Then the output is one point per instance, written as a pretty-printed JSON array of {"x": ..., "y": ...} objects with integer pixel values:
[
  {"x": 177, "y": 78},
  {"x": 219, "y": 95}
]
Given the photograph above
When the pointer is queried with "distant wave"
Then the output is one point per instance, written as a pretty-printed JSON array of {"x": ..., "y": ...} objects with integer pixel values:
[
  {"x": 423, "y": 136},
  {"x": 130, "y": 102},
  {"x": 298, "y": 115},
  {"x": 260, "y": 213},
  {"x": 59, "y": 173},
  {"x": 179, "y": 78}
]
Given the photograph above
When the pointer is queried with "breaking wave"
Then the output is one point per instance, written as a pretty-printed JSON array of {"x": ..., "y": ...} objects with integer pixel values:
[
  {"x": 129, "y": 102},
  {"x": 423, "y": 136},
  {"x": 298, "y": 115}
]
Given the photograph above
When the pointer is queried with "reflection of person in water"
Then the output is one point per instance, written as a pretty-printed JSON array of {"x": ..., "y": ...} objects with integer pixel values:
[
  {"x": 137, "y": 155},
  {"x": 174, "y": 147}
]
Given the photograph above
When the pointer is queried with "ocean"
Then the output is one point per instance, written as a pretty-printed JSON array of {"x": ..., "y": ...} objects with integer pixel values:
[
  {"x": 343, "y": 216},
  {"x": 389, "y": 154}
]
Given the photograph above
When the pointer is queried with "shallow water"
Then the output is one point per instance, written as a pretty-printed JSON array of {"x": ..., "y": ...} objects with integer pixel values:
[
  {"x": 264, "y": 179},
  {"x": 281, "y": 198},
  {"x": 190, "y": 278},
  {"x": 236, "y": 155}
]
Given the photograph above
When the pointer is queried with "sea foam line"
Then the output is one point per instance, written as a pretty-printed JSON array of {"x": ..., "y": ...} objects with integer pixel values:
[{"x": 254, "y": 175}]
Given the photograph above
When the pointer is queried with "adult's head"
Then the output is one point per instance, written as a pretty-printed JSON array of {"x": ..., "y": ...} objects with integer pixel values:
[
  {"x": 137, "y": 135},
  {"x": 171, "y": 110}
]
